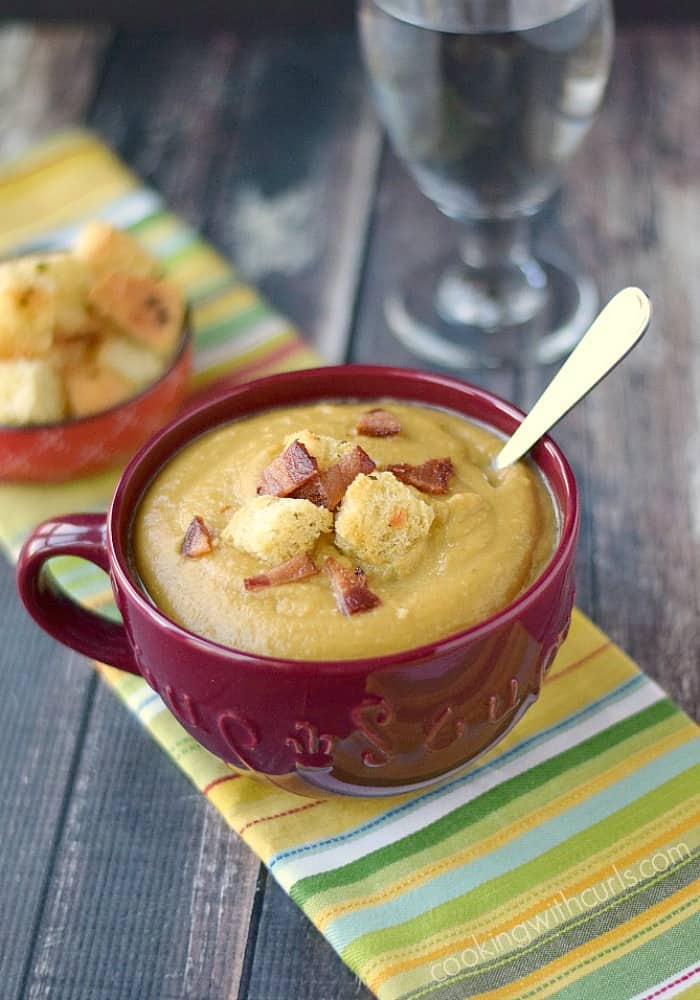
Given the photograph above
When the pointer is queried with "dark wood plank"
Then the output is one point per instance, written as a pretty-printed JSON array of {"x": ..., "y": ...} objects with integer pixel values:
[
  {"x": 293, "y": 960},
  {"x": 150, "y": 891},
  {"x": 47, "y": 696},
  {"x": 290, "y": 203},
  {"x": 48, "y": 693},
  {"x": 633, "y": 201}
]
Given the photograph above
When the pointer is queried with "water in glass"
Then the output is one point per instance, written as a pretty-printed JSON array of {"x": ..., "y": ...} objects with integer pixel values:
[{"x": 483, "y": 118}]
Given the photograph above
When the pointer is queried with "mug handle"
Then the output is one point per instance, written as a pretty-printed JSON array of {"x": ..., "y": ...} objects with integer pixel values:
[{"x": 85, "y": 536}]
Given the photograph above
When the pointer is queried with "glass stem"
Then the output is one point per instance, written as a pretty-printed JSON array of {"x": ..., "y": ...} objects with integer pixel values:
[
  {"x": 497, "y": 282},
  {"x": 490, "y": 243}
]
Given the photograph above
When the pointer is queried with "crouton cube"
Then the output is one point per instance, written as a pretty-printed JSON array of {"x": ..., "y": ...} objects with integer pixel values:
[
  {"x": 276, "y": 528},
  {"x": 326, "y": 450},
  {"x": 91, "y": 389},
  {"x": 107, "y": 250},
  {"x": 132, "y": 361},
  {"x": 27, "y": 310},
  {"x": 69, "y": 278},
  {"x": 31, "y": 392},
  {"x": 73, "y": 352},
  {"x": 148, "y": 311},
  {"x": 380, "y": 520}
]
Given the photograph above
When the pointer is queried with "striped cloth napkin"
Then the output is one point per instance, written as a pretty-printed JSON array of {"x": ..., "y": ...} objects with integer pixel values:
[{"x": 565, "y": 863}]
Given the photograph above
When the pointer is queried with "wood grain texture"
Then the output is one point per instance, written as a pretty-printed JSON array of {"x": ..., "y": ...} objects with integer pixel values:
[
  {"x": 47, "y": 696},
  {"x": 46, "y": 79},
  {"x": 150, "y": 892},
  {"x": 291, "y": 204},
  {"x": 292, "y": 960},
  {"x": 635, "y": 202}
]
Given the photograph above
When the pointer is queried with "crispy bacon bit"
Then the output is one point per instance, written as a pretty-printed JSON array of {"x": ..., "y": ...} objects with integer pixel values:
[
  {"x": 378, "y": 423},
  {"x": 299, "y": 567},
  {"x": 338, "y": 477},
  {"x": 197, "y": 541},
  {"x": 313, "y": 491},
  {"x": 432, "y": 476},
  {"x": 334, "y": 482},
  {"x": 327, "y": 489},
  {"x": 398, "y": 518},
  {"x": 288, "y": 471},
  {"x": 350, "y": 588}
]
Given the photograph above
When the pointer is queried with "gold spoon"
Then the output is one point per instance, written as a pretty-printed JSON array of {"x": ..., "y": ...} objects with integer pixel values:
[{"x": 610, "y": 338}]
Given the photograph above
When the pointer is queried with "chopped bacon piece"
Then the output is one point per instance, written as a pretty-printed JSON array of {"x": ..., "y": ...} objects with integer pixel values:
[
  {"x": 350, "y": 588},
  {"x": 357, "y": 461},
  {"x": 288, "y": 471},
  {"x": 327, "y": 489},
  {"x": 378, "y": 423},
  {"x": 338, "y": 477},
  {"x": 335, "y": 480},
  {"x": 432, "y": 476},
  {"x": 197, "y": 540},
  {"x": 314, "y": 491},
  {"x": 299, "y": 567}
]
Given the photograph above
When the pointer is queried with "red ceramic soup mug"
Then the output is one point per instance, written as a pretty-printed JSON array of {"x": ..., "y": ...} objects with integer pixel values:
[{"x": 363, "y": 727}]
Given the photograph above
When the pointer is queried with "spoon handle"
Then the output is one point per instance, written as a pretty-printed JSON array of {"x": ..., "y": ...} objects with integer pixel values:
[{"x": 613, "y": 334}]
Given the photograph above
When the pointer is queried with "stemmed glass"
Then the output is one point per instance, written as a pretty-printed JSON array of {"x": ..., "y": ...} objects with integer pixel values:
[{"x": 485, "y": 101}]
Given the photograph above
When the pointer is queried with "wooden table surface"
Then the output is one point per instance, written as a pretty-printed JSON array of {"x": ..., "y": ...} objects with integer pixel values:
[{"x": 117, "y": 879}]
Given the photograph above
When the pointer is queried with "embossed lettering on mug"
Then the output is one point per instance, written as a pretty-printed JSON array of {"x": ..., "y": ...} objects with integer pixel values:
[
  {"x": 372, "y": 713},
  {"x": 240, "y": 735},
  {"x": 311, "y": 750}
]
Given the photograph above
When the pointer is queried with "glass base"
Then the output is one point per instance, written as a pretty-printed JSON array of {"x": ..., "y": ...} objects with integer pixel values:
[{"x": 565, "y": 312}]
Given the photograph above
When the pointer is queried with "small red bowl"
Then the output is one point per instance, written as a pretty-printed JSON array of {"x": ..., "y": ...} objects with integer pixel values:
[
  {"x": 56, "y": 452},
  {"x": 373, "y": 726}
]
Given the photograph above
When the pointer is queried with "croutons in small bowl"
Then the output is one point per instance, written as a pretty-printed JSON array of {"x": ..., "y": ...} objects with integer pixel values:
[{"x": 95, "y": 356}]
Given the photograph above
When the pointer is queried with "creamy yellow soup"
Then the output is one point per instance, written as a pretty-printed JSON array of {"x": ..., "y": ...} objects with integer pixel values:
[{"x": 490, "y": 537}]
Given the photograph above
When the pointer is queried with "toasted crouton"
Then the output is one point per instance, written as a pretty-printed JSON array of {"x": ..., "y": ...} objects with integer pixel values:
[
  {"x": 148, "y": 311},
  {"x": 107, "y": 250},
  {"x": 30, "y": 393},
  {"x": 380, "y": 520},
  {"x": 70, "y": 280},
  {"x": 326, "y": 450},
  {"x": 276, "y": 528},
  {"x": 27, "y": 310},
  {"x": 130, "y": 360},
  {"x": 90, "y": 389},
  {"x": 73, "y": 352}
]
